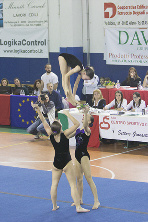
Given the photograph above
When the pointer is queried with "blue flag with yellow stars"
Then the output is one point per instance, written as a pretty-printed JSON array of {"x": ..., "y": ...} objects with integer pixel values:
[{"x": 21, "y": 112}]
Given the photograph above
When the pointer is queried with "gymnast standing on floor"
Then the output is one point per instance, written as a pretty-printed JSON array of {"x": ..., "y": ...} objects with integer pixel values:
[
  {"x": 82, "y": 157},
  {"x": 69, "y": 65},
  {"x": 62, "y": 160}
]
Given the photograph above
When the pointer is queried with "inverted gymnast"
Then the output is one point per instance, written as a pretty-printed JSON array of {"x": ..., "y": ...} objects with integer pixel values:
[
  {"x": 69, "y": 65},
  {"x": 82, "y": 157},
  {"x": 62, "y": 160}
]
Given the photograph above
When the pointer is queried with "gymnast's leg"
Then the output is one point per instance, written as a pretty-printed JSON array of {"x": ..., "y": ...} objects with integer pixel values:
[
  {"x": 56, "y": 175},
  {"x": 85, "y": 163},
  {"x": 69, "y": 171}
]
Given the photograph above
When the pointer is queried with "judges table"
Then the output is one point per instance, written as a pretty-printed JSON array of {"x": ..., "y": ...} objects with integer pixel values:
[
  {"x": 109, "y": 94},
  {"x": 17, "y": 110},
  {"x": 110, "y": 125}
]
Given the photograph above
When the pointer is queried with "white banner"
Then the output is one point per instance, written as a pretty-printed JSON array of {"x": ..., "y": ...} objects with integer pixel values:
[
  {"x": 24, "y": 42},
  {"x": 25, "y": 13},
  {"x": 125, "y": 13},
  {"x": 124, "y": 127},
  {"x": 126, "y": 46}
]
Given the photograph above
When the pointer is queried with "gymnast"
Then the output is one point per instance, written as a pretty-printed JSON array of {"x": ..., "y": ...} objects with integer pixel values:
[
  {"x": 82, "y": 157},
  {"x": 69, "y": 65},
  {"x": 62, "y": 160}
]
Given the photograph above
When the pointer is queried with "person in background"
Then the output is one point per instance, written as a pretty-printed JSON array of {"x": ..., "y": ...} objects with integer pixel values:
[
  {"x": 118, "y": 103},
  {"x": 18, "y": 87},
  {"x": 97, "y": 100},
  {"x": 133, "y": 79},
  {"x": 145, "y": 81},
  {"x": 102, "y": 81},
  {"x": 90, "y": 85},
  {"x": 56, "y": 97},
  {"x": 62, "y": 159},
  {"x": 49, "y": 77},
  {"x": 37, "y": 87},
  {"x": 137, "y": 104},
  {"x": 107, "y": 79},
  {"x": 47, "y": 108},
  {"x": 4, "y": 82}
]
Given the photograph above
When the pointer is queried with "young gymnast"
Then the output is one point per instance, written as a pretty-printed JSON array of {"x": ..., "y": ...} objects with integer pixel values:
[
  {"x": 82, "y": 158},
  {"x": 62, "y": 160},
  {"x": 69, "y": 65}
]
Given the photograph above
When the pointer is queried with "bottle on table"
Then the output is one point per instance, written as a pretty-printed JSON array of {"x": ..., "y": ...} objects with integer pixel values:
[
  {"x": 22, "y": 92},
  {"x": 118, "y": 84}
]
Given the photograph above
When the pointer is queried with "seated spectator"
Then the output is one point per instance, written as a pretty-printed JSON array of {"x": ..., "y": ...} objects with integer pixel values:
[
  {"x": 136, "y": 105},
  {"x": 97, "y": 100},
  {"x": 102, "y": 81},
  {"x": 145, "y": 81},
  {"x": 133, "y": 79},
  {"x": 37, "y": 87},
  {"x": 118, "y": 103},
  {"x": 90, "y": 85},
  {"x": 56, "y": 97},
  {"x": 4, "y": 82},
  {"x": 18, "y": 87},
  {"x": 48, "y": 110}
]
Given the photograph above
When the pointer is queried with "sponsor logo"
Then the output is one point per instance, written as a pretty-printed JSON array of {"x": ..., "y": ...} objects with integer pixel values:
[
  {"x": 109, "y": 10},
  {"x": 105, "y": 124}
]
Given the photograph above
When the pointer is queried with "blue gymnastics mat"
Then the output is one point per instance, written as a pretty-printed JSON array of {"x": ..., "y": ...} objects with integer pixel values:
[{"x": 25, "y": 197}]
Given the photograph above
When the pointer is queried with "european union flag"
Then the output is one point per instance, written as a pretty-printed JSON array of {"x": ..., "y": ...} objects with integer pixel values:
[{"x": 21, "y": 112}]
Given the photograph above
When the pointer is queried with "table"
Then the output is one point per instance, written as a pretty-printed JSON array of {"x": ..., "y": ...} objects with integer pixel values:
[
  {"x": 109, "y": 94},
  {"x": 130, "y": 126}
]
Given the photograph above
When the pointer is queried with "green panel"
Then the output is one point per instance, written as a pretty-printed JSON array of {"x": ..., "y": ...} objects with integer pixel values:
[{"x": 64, "y": 121}]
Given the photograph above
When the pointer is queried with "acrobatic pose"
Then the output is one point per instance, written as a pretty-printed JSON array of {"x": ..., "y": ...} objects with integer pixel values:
[
  {"x": 69, "y": 65},
  {"x": 62, "y": 160},
  {"x": 82, "y": 157}
]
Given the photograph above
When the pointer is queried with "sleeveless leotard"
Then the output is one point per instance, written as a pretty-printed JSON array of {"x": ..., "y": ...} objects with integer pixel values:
[
  {"x": 71, "y": 60},
  {"x": 62, "y": 154},
  {"x": 81, "y": 144}
]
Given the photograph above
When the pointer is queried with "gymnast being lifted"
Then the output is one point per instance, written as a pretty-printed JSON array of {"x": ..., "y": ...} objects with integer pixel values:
[{"x": 69, "y": 65}]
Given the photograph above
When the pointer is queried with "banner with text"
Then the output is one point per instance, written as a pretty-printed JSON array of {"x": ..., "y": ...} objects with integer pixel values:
[
  {"x": 125, "y": 13},
  {"x": 126, "y": 46},
  {"x": 24, "y": 42},
  {"x": 25, "y": 13},
  {"x": 132, "y": 128}
]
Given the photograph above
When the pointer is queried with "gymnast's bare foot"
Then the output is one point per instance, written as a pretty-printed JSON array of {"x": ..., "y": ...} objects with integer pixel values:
[
  {"x": 79, "y": 209},
  {"x": 96, "y": 205},
  {"x": 73, "y": 204},
  {"x": 55, "y": 208}
]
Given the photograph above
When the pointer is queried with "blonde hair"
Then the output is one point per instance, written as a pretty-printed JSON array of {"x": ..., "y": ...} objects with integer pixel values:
[{"x": 99, "y": 92}]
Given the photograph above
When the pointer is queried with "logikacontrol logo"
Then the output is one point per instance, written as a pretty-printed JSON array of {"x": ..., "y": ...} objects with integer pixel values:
[{"x": 23, "y": 42}]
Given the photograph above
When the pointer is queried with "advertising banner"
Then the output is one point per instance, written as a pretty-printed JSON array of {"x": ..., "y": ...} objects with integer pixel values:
[
  {"x": 125, "y": 13},
  {"x": 24, "y": 42},
  {"x": 126, "y": 46},
  {"x": 132, "y": 128},
  {"x": 25, "y": 13}
]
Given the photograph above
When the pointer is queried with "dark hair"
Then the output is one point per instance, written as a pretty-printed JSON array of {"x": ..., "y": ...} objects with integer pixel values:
[
  {"x": 136, "y": 75},
  {"x": 48, "y": 64},
  {"x": 116, "y": 104},
  {"x": 89, "y": 72},
  {"x": 6, "y": 80},
  {"x": 55, "y": 127},
  {"x": 19, "y": 80},
  {"x": 137, "y": 95},
  {"x": 92, "y": 120},
  {"x": 38, "y": 80},
  {"x": 107, "y": 79}
]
